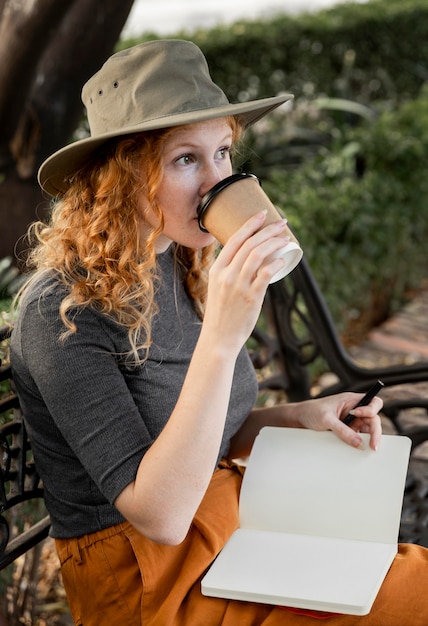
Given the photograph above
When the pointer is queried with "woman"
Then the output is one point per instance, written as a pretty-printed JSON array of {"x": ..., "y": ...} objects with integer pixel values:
[{"x": 131, "y": 365}]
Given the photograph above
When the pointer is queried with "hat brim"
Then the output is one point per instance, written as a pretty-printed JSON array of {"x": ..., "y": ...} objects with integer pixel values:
[{"x": 54, "y": 173}]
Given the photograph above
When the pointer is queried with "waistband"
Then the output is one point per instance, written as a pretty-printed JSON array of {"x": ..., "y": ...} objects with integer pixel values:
[{"x": 67, "y": 548}]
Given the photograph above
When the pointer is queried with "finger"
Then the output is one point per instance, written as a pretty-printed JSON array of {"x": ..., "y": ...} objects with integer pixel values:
[
  {"x": 258, "y": 255},
  {"x": 267, "y": 270},
  {"x": 346, "y": 434},
  {"x": 368, "y": 410},
  {"x": 369, "y": 417},
  {"x": 371, "y": 424},
  {"x": 261, "y": 259},
  {"x": 248, "y": 229},
  {"x": 251, "y": 234},
  {"x": 256, "y": 261},
  {"x": 375, "y": 433}
]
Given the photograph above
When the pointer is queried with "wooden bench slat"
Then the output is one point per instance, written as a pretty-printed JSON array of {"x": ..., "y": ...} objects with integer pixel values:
[{"x": 25, "y": 541}]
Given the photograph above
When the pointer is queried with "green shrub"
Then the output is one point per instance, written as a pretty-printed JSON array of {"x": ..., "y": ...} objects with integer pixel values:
[
  {"x": 364, "y": 52},
  {"x": 359, "y": 209}
]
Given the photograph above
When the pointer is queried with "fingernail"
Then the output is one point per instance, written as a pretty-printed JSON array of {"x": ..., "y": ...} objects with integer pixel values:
[
  {"x": 280, "y": 224},
  {"x": 259, "y": 216}
]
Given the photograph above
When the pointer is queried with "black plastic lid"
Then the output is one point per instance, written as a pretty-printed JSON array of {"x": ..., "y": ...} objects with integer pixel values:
[{"x": 211, "y": 194}]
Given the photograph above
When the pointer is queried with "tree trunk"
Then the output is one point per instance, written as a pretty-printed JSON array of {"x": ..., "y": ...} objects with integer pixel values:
[
  {"x": 23, "y": 29},
  {"x": 48, "y": 49}
]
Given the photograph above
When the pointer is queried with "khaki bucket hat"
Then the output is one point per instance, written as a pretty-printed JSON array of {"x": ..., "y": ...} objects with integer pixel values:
[{"x": 153, "y": 85}]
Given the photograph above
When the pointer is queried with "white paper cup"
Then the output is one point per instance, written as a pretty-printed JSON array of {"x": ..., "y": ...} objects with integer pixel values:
[{"x": 231, "y": 202}]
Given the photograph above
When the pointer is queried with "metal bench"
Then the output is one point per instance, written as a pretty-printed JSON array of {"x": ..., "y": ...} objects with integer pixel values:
[
  {"x": 19, "y": 481},
  {"x": 298, "y": 329}
]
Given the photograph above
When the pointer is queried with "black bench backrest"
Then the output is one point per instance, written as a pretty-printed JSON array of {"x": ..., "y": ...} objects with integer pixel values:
[
  {"x": 19, "y": 481},
  {"x": 302, "y": 330}
]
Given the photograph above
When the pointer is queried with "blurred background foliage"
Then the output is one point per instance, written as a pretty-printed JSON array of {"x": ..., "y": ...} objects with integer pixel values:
[
  {"x": 364, "y": 52},
  {"x": 359, "y": 207},
  {"x": 347, "y": 164}
]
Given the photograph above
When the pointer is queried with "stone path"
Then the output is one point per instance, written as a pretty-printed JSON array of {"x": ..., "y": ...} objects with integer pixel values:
[
  {"x": 401, "y": 339},
  {"x": 404, "y": 339}
]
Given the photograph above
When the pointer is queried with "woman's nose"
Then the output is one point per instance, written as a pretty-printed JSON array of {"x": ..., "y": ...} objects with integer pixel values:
[{"x": 211, "y": 176}]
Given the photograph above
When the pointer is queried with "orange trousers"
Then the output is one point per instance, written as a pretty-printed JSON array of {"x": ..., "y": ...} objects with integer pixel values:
[{"x": 117, "y": 577}]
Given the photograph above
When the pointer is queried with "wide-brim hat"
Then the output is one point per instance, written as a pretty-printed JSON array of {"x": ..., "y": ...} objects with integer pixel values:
[{"x": 153, "y": 85}]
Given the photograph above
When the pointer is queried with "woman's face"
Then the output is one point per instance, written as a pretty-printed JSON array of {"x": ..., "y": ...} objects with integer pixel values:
[{"x": 195, "y": 158}]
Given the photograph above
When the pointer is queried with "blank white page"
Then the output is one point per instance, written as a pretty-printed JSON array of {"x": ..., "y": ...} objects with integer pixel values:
[
  {"x": 300, "y": 571},
  {"x": 306, "y": 482}
]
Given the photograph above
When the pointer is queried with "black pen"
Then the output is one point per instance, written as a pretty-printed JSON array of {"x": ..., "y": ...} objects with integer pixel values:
[{"x": 365, "y": 400}]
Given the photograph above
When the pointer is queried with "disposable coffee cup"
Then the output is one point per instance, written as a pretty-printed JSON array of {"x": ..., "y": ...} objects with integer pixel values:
[{"x": 231, "y": 202}]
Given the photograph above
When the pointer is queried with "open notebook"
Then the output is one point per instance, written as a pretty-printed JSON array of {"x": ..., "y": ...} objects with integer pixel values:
[{"x": 319, "y": 522}]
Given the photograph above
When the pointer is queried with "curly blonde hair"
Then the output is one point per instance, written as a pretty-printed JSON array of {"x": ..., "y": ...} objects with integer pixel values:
[{"x": 93, "y": 240}]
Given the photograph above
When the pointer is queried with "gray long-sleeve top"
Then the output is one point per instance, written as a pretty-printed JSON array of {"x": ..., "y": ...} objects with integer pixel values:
[{"x": 90, "y": 416}]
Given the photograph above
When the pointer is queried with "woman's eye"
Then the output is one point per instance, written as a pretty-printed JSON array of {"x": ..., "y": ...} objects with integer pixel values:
[
  {"x": 185, "y": 159},
  {"x": 223, "y": 153}
]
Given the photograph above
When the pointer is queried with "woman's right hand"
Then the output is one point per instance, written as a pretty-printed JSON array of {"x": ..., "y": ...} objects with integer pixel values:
[{"x": 239, "y": 278}]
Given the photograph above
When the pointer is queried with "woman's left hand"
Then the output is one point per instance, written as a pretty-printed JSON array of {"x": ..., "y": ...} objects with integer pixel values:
[{"x": 327, "y": 414}]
